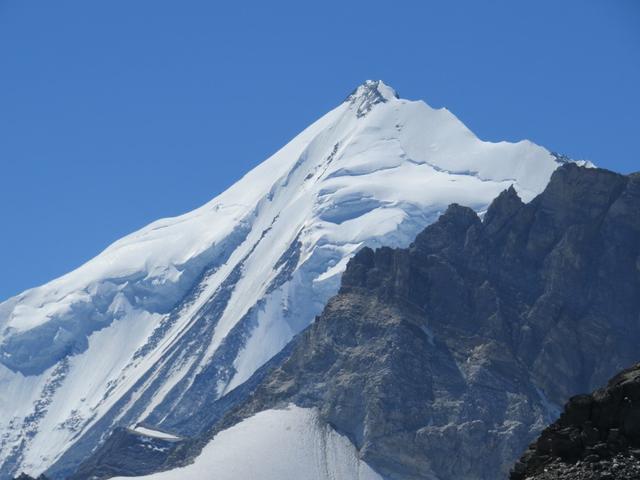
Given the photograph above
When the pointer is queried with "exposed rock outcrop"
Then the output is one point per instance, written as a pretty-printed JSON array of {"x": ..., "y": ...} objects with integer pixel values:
[{"x": 596, "y": 437}]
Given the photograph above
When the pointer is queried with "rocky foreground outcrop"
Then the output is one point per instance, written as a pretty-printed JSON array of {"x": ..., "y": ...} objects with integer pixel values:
[
  {"x": 596, "y": 437},
  {"x": 444, "y": 360}
]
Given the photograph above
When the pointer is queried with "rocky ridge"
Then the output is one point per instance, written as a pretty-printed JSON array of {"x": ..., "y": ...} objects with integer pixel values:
[{"x": 467, "y": 340}]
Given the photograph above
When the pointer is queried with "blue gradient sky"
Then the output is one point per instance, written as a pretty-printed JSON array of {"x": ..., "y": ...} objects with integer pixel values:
[{"x": 119, "y": 112}]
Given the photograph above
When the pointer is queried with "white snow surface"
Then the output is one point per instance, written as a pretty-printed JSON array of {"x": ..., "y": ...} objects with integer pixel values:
[
  {"x": 148, "y": 432},
  {"x": 275, "y": 445},
  {"x": 374, "y": 171}
]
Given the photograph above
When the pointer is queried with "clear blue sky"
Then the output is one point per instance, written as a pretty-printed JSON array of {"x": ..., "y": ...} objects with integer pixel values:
[{"x": 115, "y": 113}]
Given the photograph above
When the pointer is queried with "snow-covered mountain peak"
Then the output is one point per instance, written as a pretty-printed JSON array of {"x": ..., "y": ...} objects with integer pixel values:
[{"x": 198, "y": 302}]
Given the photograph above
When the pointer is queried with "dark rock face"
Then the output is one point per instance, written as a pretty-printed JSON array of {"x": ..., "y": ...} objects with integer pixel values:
[
  {"x": 446, "y": 359},
  {"x": 596, "y": 437}
]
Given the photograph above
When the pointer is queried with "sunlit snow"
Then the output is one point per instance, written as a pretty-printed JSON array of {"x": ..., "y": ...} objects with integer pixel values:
[{"x": 306, "y": 449}]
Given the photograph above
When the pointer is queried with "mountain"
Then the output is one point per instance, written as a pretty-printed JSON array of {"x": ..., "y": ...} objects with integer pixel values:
[
  {"x": 444, "y": 359},
  {"x": 596, "y": 437},
  {"x": 178, "y": 315}
]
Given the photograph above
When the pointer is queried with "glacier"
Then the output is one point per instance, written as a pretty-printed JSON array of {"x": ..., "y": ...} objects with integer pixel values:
[{"x": 181, "y": 313}]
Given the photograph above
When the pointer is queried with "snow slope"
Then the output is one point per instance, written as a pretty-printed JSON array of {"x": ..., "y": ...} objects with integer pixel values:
[
  {"x": 306, "y": 449},
  {"x": 181, "y": 312}
]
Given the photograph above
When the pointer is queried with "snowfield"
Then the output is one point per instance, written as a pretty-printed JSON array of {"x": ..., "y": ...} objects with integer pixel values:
[
  {"x": 197, "y": 303},
  {"x": 246, "y": 451}
]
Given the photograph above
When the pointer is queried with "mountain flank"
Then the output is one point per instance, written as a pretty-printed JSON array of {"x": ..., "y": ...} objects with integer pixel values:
[{"x": 470, "y": 339}]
